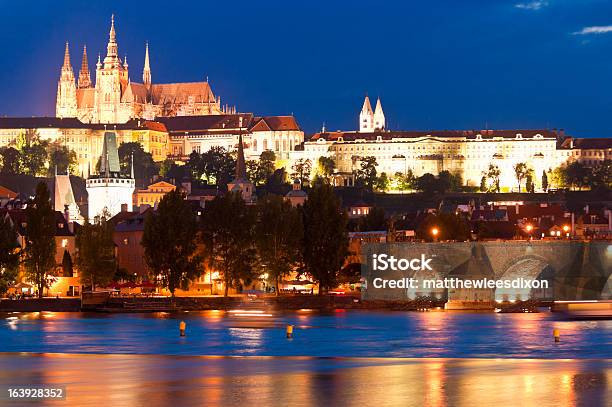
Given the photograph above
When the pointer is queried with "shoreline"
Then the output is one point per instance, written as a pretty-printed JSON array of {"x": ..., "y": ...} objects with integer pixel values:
[{"x": 280, "y": 303}]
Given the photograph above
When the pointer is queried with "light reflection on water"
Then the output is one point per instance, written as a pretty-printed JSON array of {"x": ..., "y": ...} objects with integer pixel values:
[
  {"x": 348, "y": 334},
  {"x": 154, "y": 380}
]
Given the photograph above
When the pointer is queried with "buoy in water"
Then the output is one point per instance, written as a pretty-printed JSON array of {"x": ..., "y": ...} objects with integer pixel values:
[
  {"x": 557, "y": 335},
  {"x": 289, "y": 331},
  {"x": 182, "y": 327}
]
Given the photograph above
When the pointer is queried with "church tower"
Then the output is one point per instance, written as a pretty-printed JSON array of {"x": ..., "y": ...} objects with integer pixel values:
[
  {"x": 109, "y": 191},
  {"x": 111, "y": 80},
  {"x": 84, "y": 77},
  {"x": 241, "y": 181},
  {"x": 379, "y": 117},
  {"x": 66, "y": 105},
  {"x": 366, "y": 117}
]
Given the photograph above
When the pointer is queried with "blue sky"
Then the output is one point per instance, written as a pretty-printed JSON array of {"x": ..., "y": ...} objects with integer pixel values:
[{"x": 442, "y": 64}]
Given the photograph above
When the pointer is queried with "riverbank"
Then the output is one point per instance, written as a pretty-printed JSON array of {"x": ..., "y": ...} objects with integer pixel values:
[{"x": 126, "y": 304}]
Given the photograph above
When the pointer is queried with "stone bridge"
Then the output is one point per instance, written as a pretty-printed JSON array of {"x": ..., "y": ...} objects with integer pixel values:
[{"x": 574, "y": 269}]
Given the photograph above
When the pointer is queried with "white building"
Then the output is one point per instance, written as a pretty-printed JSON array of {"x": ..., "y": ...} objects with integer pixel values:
[
  {"x": 465, "y": 152},
  {"x": 109, "y": 190}
]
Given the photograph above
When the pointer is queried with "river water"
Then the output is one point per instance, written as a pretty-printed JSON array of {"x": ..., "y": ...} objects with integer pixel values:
[{"x": 337, "y": 358}]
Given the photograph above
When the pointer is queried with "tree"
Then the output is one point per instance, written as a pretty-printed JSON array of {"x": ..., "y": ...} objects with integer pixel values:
[
  {"x": 327, "y": 165},
  {"x": 529, "y": 185},
  {"x": 426, "y": 183},
  {"x": 40, "y": 239},
  {"x": 67, "y": 264},
  {"x": 301, "y": 170},
  {"x": 278, "y": 237},
  {"x": 576, "y": 174},
  {"x": 492, "y": 175},
  {"x": 544, "y": 181},
  {"x": 520, "y": 172},
  {"x": 382, "y": 183},
  {"x": 483, "y": 184},
  {"x": 366, "y": 174},
  {"x": 601, "y": 175},
  {"x": 169, "y": 240},
  {"x": 9, "y": 254},
  {"x": 227, "y": 233},
  {"x": 11, "y": 161},
  {"x": 259, "y": 171},
  {"x": 144, "y": 166},
  {"x": 325, "y": 243},
  {"x": 96, "y": 252},
  {"x": 195, "y": 164},
  {"x": 403, "y": 182},
  {"x": 218, "y": 166},
  {"x": 33, "y": 152},
  {"x": 62, "y": 159}
]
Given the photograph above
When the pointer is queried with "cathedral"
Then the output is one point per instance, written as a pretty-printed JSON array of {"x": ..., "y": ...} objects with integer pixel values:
[{"x": 114, "y": 98}]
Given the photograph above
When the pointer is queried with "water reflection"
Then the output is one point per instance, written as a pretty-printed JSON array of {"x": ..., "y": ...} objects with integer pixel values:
[
  {"x": 132, "y": 380},
  {"x": 347, "y": 334}
]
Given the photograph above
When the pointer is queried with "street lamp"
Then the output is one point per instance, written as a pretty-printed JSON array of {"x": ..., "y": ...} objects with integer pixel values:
[
  {"x": 529, "y": 229},
  {"x": 434, "y": 232},
  {"x": 566, "y": 230}
]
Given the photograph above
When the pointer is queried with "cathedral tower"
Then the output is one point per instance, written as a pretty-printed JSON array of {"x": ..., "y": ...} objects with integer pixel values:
[
  {"x": 111, "y": 79},
  {"x": 84, "y": 77},
  {"x": 379, "y": 117},
  {"x": 366, "y": 117},
  {"x": 66, "y": 104}
]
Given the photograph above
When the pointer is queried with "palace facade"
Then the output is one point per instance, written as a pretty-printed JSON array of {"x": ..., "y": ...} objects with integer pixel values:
[
  {"x": 465, "y": 152},
  {"x": 115, "y": 98}
]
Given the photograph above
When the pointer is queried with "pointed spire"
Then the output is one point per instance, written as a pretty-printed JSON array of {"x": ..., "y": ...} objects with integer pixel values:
[
  {"x": 125, "y": 64},
  {"x": 111, "y": 48},
  {"x": 132, "y": 167},
  {"x": 84, "y": 76},
  {"x": 379, "y": 116},
  {"x": 98, "y": 64},
  {"x": 367, "y": 107},
  {"x": 111, "y": 35},
  {"x": 67, "y": 64},
  {"x": 240, "y": 163},
  {"x": 146, "y": 72}
]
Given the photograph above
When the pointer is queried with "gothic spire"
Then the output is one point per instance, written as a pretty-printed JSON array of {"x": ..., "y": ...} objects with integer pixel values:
[
  {"x": 84, "y": 76},
  {"x": 367, "y": 107},
  {"x": 67, "y": 64},
  {"x": 146, "y": 72},
  {"x": 240, "y": 163},
  {"x": 111, "y": 48}
]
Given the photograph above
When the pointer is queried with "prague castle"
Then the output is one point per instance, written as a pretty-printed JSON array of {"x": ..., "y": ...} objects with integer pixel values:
[{"x": 114, "y": 98}]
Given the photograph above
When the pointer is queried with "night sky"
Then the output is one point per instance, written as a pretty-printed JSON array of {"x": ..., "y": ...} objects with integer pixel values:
[{"x": 443, "y": 64}]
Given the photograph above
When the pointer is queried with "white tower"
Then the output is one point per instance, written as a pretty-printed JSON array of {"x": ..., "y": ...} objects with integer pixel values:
[
  {"x": 366, "y": 117},
  {"x": 379, "y": 117},
  {"x": 109, "y": 190}
]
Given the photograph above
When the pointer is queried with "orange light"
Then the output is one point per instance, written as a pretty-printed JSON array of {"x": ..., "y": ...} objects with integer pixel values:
[
  {"x": 435, "y": 231},
  {"x": 566, "y": 228},
  {"x": 529, "y": 228}
]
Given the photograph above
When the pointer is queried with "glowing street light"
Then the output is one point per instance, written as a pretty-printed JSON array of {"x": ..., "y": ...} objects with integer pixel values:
[
  {"x": 529, "y": 229},
  {"x": 434, "y": 232},
  {"x": 566, "y": 230}
]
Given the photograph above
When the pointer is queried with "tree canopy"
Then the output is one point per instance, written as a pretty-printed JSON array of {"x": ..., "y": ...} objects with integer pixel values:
[{"x": 169, "y": 240}]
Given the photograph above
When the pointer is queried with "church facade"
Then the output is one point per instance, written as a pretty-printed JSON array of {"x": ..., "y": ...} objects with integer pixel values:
[{"x": 114, "y": 98}]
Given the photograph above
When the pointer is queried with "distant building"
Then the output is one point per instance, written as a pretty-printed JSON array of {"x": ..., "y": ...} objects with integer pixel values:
[
  {"x": 110, "y": 189},
  {"x": 115, "y": 98},
  {"x": 468, "y": 153},
  {"x": 152, "y": 194},
  {"x": 297, "y": 196}
]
